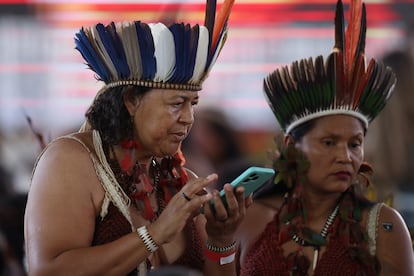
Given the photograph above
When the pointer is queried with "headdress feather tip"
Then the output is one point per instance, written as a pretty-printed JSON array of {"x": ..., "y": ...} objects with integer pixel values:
[{"x": 340, "y": 85}]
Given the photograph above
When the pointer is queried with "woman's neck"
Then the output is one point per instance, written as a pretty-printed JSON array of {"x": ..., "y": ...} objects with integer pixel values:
[
  {"x": 135, "y": 155},
  {"x": 319, "y": 206}
]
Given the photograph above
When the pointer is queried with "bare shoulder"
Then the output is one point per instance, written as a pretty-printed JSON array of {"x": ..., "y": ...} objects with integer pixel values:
[
  {"x": 67, "y": 147},
  {"x": 65, "y": 166},
  {"x": 263, "y": 210},
  {"x": 258, "y": 216},
  {"x": 394, "y": 245},
  {"x": 64, "y": 199},
  {"x": 63, "y": 156}
]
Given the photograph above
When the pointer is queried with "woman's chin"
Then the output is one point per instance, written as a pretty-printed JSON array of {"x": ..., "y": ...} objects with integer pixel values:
[{"x": 170, "y": 151}]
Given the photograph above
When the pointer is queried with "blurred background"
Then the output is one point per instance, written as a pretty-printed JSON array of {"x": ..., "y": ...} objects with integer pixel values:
[{"x": 43, "y": 81}]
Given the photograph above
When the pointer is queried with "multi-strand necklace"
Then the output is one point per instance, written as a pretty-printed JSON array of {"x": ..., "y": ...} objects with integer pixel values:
[
  {"x": 164, "y": 178},
  {"x": 143, "y": 186},
  {"x": 324, "y": 232}
]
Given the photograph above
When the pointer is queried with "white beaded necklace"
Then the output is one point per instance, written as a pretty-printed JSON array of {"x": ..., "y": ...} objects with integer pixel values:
[{"x": 323, "y": 234}]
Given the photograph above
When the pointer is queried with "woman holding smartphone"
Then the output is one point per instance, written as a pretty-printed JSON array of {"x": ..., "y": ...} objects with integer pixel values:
[{"x": 316, "y": 220}]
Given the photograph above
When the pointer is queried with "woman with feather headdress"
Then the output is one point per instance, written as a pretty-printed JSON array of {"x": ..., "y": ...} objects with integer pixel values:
[
  {"x": 115, "y": 198},
  {"x": 316, "y": 220}
]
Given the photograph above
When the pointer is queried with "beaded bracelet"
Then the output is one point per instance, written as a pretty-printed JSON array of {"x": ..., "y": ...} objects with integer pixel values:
[
  {"x": 224, "y": 249},
  {"x": 147, "y": 239}
]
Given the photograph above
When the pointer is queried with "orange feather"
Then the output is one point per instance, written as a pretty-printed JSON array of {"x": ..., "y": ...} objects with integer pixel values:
[{"x": 221, "y": 19}]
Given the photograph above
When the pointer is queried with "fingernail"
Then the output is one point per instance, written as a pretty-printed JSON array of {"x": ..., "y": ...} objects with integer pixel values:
[{"x": 211, "y": 176}]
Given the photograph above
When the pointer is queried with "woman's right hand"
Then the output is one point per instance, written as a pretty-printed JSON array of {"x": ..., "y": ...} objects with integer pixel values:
[{"x": 182, "y": 206}]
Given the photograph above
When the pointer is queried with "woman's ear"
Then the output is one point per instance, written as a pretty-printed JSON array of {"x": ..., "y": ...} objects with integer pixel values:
[
  {"x": 288, "y": 140},
  {"x": 131, "y": 101}
]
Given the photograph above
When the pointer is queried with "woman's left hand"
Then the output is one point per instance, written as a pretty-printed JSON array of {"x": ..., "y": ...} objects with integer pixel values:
[{"x": 223, "y": 220}]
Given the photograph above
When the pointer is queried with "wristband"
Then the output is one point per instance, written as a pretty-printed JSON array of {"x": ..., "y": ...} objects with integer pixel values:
[
  {"x": 147, "y": 239},
  {"x": 223, "y": 258}
]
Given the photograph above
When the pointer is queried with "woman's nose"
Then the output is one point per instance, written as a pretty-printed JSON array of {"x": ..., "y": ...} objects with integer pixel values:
[
  {"x": 344, "y": 154},
  {"x": 187, "y": 115}
]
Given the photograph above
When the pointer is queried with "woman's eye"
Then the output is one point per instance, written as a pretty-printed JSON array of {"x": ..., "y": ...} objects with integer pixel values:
[
  {"x": 327, "y": 142},
  {"x": 194, "y": 103},
  {"x": 355, "y": 144},
  {"x": 178, "y": 104}
]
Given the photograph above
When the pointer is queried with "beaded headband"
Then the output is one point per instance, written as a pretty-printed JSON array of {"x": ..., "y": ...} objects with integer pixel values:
[
  {"x": 341, "y": 85},
  {"x": 178, "y": 56}
]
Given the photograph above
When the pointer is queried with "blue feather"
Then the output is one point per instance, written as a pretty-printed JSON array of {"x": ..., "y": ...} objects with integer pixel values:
[
  {"x": 210, "y": 18},
  {"x": 120, "y": 64},
  {"x": 89, "y": 54},
  {"x": 124, "y": 71},
  {"x": 192, "y": 53},
  {"x": 146, "y": 44},
  {"x": 186, "y": 54},
  {"x": 178, "y": 32}
]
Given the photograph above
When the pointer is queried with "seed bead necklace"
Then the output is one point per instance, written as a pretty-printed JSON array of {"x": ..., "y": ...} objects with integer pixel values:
[{"x": 323, "y": 234}]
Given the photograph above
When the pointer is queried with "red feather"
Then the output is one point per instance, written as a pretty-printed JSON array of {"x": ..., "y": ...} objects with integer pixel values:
[
  {"x": 358, "y": 76},
  {"x": 352, "y": 37}
]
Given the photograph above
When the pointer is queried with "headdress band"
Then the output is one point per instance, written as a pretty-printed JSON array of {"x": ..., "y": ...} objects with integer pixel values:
[{"x": 157, "y": 85}]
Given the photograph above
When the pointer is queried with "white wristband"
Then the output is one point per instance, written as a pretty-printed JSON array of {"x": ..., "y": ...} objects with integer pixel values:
[
  {"x": 228, "y": 259},
  {"x": 147, "y": 239}
]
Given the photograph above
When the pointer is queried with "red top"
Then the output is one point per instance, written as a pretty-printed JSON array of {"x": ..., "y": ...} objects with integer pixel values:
[{"x": 266, "y": 257}]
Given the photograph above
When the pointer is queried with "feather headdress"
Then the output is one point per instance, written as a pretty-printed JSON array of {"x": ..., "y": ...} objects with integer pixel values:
[
  {"x": 154, "y": 55},
  {"x": 341, "y": 85}
]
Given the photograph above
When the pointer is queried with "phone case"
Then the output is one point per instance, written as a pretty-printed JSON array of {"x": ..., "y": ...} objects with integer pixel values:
[{"x": 251, "y": 179}]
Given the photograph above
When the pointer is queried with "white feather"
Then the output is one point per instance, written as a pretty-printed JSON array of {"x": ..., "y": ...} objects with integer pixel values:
[
  {"x": 128, "y": 35},
  {"x": 201, "y": 57},
  {"x": 103, "y": 53},
  {"x": 164, "y": 51},
  {"x": 220, "y": 45}
]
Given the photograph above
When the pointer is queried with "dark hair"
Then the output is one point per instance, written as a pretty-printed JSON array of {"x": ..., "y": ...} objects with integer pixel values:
[
  {"x": 298, "y": 132},
  {"x": 109, "y": 115}
]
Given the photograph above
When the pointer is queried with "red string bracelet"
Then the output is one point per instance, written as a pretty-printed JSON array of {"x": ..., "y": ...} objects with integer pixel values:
[
  {"x": 223, "y": 258},
  {"x": 224, "y": 255}
]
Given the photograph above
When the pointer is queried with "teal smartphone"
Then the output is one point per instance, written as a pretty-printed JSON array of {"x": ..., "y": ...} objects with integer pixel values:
[{"x": 251, "y": 179}]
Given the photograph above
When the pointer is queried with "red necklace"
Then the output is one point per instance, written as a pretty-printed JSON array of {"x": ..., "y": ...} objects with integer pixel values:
[{"x": 165, "y": 179}]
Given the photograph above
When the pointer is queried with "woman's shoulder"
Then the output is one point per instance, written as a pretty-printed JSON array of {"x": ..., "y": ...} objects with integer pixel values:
[
  {"x": 259, "y": 214},
  {"x": 70, "y": 144},
  {"x": 389, "y": 221},
  {"x": 269, "y": 203},
  {"x": 392, "y": 232},
  {"x": 67, "y": 151}
]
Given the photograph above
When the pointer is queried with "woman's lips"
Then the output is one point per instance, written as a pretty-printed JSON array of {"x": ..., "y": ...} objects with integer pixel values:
[
  {"x": 343, "y": 175},
  {"x": 179, "y": 136}
]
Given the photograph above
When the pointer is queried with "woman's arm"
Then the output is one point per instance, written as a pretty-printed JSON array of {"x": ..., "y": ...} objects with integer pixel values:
[
  {"x": 394, "y": 246},
  {"x": 64, "y": 201}
]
